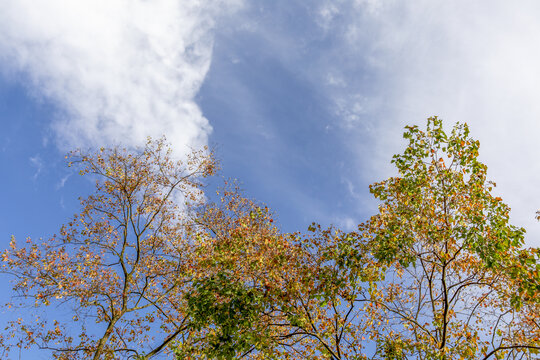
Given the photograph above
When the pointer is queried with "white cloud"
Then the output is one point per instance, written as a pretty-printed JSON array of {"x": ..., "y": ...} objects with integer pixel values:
[
  {"x": 326, "y": 15},
  {"x": 62, "y": 181},
  {"x": 347, "y": 223},
  {"x": 119, "y": 70},
  {"x": 469, "y": 62},
  {"x": 37, "y": 162}
]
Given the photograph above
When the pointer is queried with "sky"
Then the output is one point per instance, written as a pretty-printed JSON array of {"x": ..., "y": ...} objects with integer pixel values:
[{"x": 304, "y": 102}]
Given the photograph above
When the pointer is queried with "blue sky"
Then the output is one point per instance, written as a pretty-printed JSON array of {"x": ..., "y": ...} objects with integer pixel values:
[{"x": 305, "y": 102}]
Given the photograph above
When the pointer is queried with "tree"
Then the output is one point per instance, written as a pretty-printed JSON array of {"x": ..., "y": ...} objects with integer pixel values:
[
  {"x": 438, "y": 273},
  {"x": 458, "y": 282},
  {"x": 125, "y": 262},
  {"x": 268, "y": 295},
  {"x": 241, "y": 254}
]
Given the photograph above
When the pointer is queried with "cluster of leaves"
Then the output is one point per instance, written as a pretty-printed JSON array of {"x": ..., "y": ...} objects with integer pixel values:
[
  {"x": 438, "y": 273},
  {"x": 231, "y": 309}
]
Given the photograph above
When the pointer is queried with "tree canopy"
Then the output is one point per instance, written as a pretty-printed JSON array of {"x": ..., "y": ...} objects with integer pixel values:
[
  {"x": 459, "y": 284},
  {"x": 151, "y": 266}
]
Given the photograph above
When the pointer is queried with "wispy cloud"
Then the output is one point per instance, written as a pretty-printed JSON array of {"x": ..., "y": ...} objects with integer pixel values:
[
  {"x": 37, "y": 163},
  {"x": 62, "y": 181},
  {"x": 467, "y": 62},
  {"x": 117, "y": 70}
]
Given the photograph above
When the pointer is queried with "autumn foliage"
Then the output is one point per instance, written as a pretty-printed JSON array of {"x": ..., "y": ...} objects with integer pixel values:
[
  {"x": 459, "y": 284},
  {"x": 124, "y": 263},
  {"x": 152, "y": 267}
]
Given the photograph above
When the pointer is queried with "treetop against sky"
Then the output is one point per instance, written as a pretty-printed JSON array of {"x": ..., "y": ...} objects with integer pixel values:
[{"x": 153, "y": 267}]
